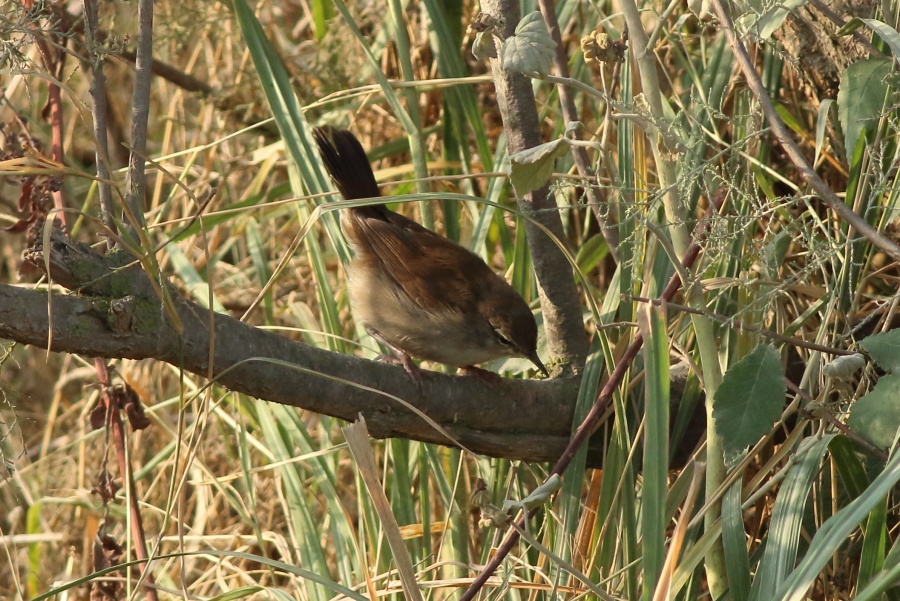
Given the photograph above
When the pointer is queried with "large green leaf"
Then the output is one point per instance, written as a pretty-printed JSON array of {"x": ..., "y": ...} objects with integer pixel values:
[
  {"x": 531, "y": 50},
  {"x": 876, "y": 416},
  {"x": 656, "y": 443},
  {"x": 861, "y": 98},
  {"x": 750, "y": 399},
  {"x": 884, "y": 348}
]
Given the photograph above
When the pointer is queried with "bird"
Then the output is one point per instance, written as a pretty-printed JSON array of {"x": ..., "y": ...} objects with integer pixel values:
[{"x": 416, "y": 292}]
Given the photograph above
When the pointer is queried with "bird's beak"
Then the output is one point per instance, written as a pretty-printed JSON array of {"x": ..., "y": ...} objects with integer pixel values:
[{"x": 533, "y": 357}]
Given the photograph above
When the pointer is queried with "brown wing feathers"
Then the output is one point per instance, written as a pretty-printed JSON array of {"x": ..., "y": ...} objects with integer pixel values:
[{"x": 399, "y": 244}]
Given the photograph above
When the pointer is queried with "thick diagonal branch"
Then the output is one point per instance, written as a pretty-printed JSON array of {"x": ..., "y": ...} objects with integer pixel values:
[{"x": 118, "y": 315}]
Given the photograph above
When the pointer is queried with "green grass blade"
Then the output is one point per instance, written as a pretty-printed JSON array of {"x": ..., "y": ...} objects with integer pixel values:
[
  {"x": 834, "y": 532},
  {"x": 734, "y": 541},
  {"x": 656, "y": 445},
  {"x": 783, "y": 540}
]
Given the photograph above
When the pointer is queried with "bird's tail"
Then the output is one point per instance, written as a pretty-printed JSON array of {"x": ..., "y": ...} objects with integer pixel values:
[{"x": 347, "y": 163}]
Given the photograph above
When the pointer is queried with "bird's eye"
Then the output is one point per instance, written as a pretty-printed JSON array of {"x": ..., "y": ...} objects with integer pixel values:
[{"x": 501, "y": 338}]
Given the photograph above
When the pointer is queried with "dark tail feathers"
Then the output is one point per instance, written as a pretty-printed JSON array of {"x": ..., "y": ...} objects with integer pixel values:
[{"x": 347, "y": 163}]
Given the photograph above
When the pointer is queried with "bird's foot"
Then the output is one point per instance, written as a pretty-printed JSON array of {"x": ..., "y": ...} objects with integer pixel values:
[
  {"x": 415, "y": 372},
  {"x": 487, "y": 376},
  {"x": 400, "y": 357}
]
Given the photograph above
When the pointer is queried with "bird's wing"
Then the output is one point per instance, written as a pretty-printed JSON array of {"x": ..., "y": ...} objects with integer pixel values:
[
  {"x": 407, "y": 253},
  {"x": 403, "y": 248}
]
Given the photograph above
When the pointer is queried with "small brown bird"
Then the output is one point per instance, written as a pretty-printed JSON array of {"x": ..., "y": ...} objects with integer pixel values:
[{"x": 417, "y": 292}]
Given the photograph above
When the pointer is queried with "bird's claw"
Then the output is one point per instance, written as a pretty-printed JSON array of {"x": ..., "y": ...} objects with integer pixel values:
[{"x": 487, "y": 376}]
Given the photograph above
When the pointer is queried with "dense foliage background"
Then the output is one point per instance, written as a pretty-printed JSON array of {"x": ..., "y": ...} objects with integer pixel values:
[{"x": 257, "y": 499}]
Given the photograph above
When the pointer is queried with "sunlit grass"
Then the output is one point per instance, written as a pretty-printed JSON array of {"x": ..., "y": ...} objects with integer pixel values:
[{"x": 261, "y": 483}]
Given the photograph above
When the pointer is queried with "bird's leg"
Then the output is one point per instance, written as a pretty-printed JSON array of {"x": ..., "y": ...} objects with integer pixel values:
[
  {"x": 487, "y": 376},
  {"x": 400, "y": 356}
]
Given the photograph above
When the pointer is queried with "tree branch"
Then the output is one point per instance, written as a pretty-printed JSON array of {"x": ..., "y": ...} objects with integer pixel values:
[{"x": 118, "y": 315}]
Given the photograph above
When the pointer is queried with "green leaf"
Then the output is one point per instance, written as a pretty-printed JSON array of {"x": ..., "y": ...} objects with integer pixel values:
[
  {"x": 530, "y": 50},
  {"x": 305, "y": 168},
  {"x": 257, "y": 252},
  {"x": 785, "y": 528},
  {"x": 538, "y": 496},
  {"x": 850, "y": 26},
  {"x": 238, "y": 593},
  {"x": 789, "y": 118},
  {"x": 769, "y": 22},
  {"x": 876, "y": 416},
  {"x": 861, "y": 98},
  {"x": 734, "y": 544},
  {"x": 652, "y": 324},
  {"x": 884, "y": 349},
  {"x": 322, "y": 12},
  {"x": 196, "y": 286},
  {"x": 225, "y": 214},
  {"x": 874, "y": 547},
  {"x": 750, "y": 399},
  {"x": 854, "y": 478},
  {"x": 774, "y": 252},
  {"x": 33, "y": 526},
  {"x": 591, "y": 253},
  {"x": 532, "y": 168},
  {"x": 484, "y": 47}
]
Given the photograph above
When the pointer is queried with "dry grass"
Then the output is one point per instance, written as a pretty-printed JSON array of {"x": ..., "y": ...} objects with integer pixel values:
[{"x": 220, "y": 471}]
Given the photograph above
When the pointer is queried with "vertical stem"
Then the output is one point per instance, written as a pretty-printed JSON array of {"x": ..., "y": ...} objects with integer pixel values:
[
  {"x": 646, "y": 64},
  {"x": 114, "y": 423},
  {"x": 563, "y": 324},
  {"x": 53, "y": 62},
  {"x": 140, "y": 113},
  {"x": 570, "y": 115},
  {"x": 98, "y": 110}
]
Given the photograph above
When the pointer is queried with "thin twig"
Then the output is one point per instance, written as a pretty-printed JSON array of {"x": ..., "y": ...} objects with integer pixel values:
[
  {"x": 114, "y": 423},
  {"x": 98, "y": 110},
  {"x": 173, "y": 74},
  {"x": 53, "y": 61},
  {"x": 570, "y": 115},
  {"x": 170, "y": 73}
]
